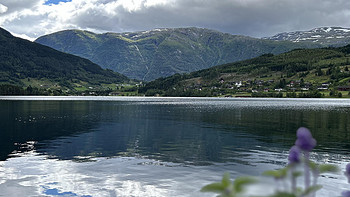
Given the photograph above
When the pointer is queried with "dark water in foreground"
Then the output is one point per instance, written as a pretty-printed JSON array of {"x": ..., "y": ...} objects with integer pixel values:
[{"x": 128, "y": 146}]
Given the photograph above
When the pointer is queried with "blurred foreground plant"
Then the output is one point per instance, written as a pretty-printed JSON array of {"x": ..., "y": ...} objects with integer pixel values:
[
  {"x": 228, "y": 189},
  {"x": 299, "y": 155}
]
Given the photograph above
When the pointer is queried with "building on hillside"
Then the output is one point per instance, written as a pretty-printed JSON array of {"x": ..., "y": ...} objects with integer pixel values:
[{"x": 344, "y": 88}]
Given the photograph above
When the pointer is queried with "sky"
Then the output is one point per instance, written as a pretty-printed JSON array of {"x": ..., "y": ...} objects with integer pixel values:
[{"x": 257, "y": 18}]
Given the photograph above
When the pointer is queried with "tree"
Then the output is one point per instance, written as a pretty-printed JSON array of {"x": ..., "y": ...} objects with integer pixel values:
[{"x": 319, "y": 71}]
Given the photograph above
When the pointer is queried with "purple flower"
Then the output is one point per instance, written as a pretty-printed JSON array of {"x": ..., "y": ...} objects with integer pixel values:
[
  {"x": 305, "y": 140},
  {"x": 347, "y": 172},
  {"x": 345, "y": 194},
  {"x": 294, "y": 155}
]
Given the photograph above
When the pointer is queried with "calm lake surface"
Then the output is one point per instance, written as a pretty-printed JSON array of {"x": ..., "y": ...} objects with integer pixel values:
[{"x": 136, "y": 146}]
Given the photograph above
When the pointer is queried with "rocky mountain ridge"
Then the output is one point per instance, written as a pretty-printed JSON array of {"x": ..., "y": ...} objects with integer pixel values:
[
  {"x": 148, "y": 55},
  {"x": 326, "y": 36}
]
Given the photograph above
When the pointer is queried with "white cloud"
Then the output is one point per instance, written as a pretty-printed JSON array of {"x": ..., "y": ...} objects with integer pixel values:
[
  {"x": 3, "y": 8},
  {"x": 249, "y": 17},
  {"x": 24, "y": 36}
]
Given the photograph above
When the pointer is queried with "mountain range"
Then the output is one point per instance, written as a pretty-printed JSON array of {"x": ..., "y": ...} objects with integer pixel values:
[
  {"x": 148, "y": 55},
  {"x": 162, "y": 52},
  {"x": 326, "y": 36},
  {"x": 25, "y": 63}
]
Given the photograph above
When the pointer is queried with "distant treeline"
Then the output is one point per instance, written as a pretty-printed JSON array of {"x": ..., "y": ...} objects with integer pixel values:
[
  {"x": 13, "y": 90},
  {"x": 310, "y": 94}
]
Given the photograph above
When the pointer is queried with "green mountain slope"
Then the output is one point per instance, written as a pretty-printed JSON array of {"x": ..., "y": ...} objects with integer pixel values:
[
  {"x": 308, "y": 72},
  {"x": 23, "y": 62},
  {"x": 163, "y": 52}
]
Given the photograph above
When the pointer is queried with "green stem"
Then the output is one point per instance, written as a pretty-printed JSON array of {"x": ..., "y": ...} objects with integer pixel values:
[
  {"x": 294, "y": 181},
  {"x": 307, "y": 170}
]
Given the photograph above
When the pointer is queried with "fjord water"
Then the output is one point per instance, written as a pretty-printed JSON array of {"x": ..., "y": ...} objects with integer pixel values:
[{"x": 136, "y": 146}]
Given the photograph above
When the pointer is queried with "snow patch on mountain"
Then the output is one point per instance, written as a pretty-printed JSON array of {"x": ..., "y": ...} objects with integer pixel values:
[{"x": 328, "y": 36}]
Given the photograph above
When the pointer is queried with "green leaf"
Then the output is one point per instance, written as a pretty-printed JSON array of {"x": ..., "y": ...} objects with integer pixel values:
[
  {"x": 240, "y": 182},
  {"x": 324, "y": 168},
  {"x": 297, "y": 174},
  {"x": 273, "y": 173},
  {"x": 214, "y": 187},
  {"x": 226, "y": 180},
  {"x": 313, "y": 166},
  {"x": 221, "y": 187},
  {"x": 283, "y": 194},
  {"x": 276, "y": 173},
  {"x": 312, "y": 189}
]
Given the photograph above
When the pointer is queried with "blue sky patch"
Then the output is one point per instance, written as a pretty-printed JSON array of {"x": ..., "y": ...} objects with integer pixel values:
[
  {"x": 50, "y": 2},
  {"x": 56, "y": 192}
]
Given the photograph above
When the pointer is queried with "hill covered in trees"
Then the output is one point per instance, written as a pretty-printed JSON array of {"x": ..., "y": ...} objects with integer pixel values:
[
  {"x": 149, "y": 55},
  {"x": 24, "y": 63},
  {"x": 298, "y": 73}
]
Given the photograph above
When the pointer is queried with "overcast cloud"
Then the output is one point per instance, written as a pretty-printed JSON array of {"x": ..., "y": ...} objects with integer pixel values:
[{"x": 258, "y": 18}]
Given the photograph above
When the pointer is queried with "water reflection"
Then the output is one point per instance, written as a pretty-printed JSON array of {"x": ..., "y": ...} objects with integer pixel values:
[
  {"x": 189, "y": 132},
  {"x": 210, "y": 136},
  {"x": 38, "y": 120}
]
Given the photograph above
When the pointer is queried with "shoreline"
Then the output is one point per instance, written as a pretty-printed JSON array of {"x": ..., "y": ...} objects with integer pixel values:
[{"x": 127, "y": 98}]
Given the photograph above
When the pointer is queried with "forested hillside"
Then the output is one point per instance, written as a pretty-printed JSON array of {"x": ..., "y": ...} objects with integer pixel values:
[
  {"x": 24, "y": 63},
  {"x": 301, "y": 72}
]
